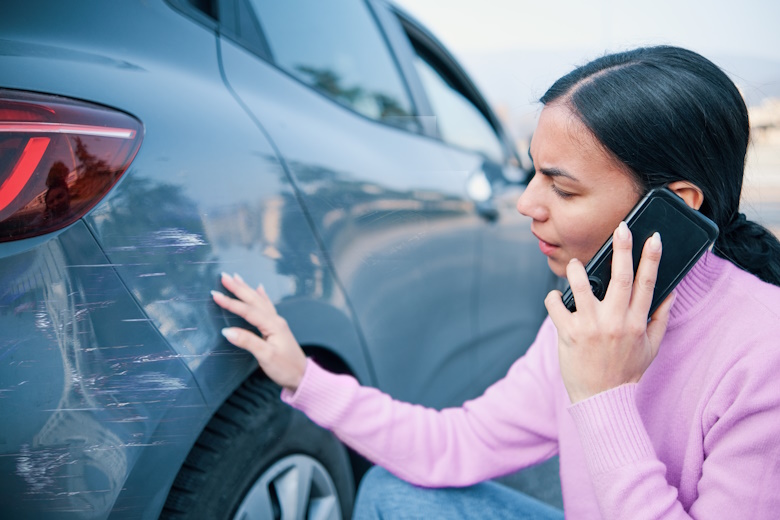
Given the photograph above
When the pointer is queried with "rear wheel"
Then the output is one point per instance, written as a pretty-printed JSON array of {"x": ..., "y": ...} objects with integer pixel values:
[{"x": 260, "y": 459}]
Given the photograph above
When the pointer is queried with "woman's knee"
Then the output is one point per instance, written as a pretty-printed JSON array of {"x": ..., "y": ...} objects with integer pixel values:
[
  {"x": 382, "y": 494},
  {"x": 379, "y": 482}
]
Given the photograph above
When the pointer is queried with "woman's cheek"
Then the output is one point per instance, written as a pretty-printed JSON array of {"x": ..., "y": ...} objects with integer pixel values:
[{"x": 586, "y": 245}]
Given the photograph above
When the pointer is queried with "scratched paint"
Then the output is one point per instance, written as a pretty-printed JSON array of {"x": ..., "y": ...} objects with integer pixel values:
[
  {"x": 80, "y": 403},
  {"x": 38, "y": 468},
  {"x": 174, "y": 237}
]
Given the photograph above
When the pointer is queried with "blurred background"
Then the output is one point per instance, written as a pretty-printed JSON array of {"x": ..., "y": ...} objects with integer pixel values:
[{"x": 515, "y": 49}]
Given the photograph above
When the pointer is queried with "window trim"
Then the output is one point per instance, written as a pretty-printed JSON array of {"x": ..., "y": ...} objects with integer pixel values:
[
  {"x": 187, "y": 8},
  {"x": 229, "y": 27},
  {"x": 229, "y": 31},
  {"x": 430, "y": 49}
]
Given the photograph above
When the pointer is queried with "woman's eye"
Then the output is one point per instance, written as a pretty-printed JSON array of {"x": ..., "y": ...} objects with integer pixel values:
[{"x": 562, "y": 194}]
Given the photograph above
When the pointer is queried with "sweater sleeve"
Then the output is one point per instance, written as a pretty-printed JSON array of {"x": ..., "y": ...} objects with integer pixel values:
[
  {"x": 740, "y": 475},
  {"x": 511, "y": 426},
  {"x": 741, "y": 422},
  {"x": 629, "y": 480}
]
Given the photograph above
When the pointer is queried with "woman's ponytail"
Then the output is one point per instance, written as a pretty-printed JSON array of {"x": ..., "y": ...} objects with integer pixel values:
[{"x": 750, "y": 246}]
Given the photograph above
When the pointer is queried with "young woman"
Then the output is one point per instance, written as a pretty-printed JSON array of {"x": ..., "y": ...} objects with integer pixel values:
[{"x": 673, "y": 417}]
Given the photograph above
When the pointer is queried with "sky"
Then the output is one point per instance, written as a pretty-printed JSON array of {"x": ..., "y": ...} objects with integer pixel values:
[
  {"x": 514, "y": 49},
  {"x": 721, "y": 26}
]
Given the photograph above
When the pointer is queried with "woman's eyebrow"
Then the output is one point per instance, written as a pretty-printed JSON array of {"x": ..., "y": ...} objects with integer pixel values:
[
  {"x": 557, "y": 172},
  {"x": 553, "y": 172}
]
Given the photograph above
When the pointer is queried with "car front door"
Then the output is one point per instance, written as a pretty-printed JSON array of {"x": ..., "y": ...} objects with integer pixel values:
[{"x": 512, "y": 277}]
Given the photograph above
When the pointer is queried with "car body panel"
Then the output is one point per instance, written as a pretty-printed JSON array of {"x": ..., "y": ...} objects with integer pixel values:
[
  {"x": 513, "y": 276},
  {"x": 167, "y": 230},
  {"x": 231, "y": 178},
  {"x": 363, "y": 234},
  {"x": 88, "y": 377}
]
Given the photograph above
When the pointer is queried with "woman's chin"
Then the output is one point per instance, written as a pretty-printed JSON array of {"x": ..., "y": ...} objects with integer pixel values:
[{"x": 558, "y": 268}]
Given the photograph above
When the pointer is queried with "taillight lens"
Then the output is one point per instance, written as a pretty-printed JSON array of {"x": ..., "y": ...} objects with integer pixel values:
[{"x": 58, "y": 158}]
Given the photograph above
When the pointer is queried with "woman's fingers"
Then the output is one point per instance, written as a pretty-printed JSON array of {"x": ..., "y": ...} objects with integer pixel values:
[
  {"x": 646, "y": 275},
  {"x": 555, "y": 307},
  {"x": 236, "y": 285},
  {"x": 618, "y": 293},
  {"x": 584, "y": 298},
  {"x": 245, "y": 293},
  {"x": 659, "y": 321},
  {"x": 237, "y": 307},
  {"x": 246, "y": 340},
  {"x": 277, "y": 351},
  {"x": 251, "y": 312},
  {"x": 253, "y": 305},
  {"x": 609, "y": 343}
]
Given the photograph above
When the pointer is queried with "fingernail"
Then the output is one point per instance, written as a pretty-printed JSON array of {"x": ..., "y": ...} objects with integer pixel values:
[
  {"x": 622, "y": 230},
  {"x": 655, "y": 241},
  {"x": 238, "y": 277},
  {"x": 573, "y": 260},
  {"x": 230, "y": 334},
  {"x": 216, "y": 294},
  {"x": 225, "y": 275}
]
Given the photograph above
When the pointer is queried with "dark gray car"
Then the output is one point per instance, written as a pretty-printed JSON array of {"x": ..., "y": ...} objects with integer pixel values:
[{"x": 333, "y": 151}]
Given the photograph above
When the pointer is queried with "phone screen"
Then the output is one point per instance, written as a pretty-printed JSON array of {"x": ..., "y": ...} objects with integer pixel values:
[{"x": 685, "y": 233}]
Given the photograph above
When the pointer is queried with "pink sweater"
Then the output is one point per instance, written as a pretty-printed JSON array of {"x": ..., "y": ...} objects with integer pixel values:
[{"x": 697, "y": 437}]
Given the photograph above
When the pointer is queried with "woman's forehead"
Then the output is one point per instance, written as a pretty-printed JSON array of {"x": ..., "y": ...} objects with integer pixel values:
[
  {"x": 561, "y": 136},
  {"x": 562, "y": 142}
]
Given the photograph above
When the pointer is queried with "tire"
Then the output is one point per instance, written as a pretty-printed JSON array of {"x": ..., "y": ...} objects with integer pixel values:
[{"x": 260, "y": 459}]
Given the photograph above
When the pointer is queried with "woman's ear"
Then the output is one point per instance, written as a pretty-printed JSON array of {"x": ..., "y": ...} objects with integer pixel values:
[{"x": 690, "y": 193}]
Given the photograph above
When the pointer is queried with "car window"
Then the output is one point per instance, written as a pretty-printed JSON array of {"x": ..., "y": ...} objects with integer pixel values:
[
  {"x": 337, "y": 48},
  {"x": 459, "y": 121}
]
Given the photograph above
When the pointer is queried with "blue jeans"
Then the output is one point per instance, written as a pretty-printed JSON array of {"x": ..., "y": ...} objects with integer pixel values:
[{"x": 382, "y": 495}]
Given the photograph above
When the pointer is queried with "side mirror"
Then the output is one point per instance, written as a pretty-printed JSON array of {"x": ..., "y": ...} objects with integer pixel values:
[
  {"x": 478, "y": 187},
  {"x": 480, "y": 190}
]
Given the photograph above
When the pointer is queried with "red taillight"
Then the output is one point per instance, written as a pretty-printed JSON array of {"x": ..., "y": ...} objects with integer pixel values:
[{"x": 58, "y": 158}]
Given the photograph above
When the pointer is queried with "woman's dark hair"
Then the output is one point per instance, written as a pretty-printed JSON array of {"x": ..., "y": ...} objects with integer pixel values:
[{"x": 670, "y": 114}]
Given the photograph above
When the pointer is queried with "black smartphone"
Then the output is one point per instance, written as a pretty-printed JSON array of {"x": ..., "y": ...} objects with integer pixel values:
[{"x": 685, "y": 234}]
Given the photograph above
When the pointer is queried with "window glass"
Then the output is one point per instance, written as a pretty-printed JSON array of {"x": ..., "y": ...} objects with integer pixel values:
[
  {"x": 336, "y": 47},
  {"x": 460, "y": 122}
]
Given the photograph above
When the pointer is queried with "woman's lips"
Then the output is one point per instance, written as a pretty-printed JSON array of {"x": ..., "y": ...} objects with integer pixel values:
[{"x": 546, "y": 248}]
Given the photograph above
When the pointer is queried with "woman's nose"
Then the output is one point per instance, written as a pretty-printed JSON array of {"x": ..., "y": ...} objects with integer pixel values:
[{"x": 531, "y": 202}]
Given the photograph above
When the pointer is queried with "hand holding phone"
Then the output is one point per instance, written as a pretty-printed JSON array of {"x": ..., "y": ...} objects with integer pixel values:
[{"x": 686, "y": 235}]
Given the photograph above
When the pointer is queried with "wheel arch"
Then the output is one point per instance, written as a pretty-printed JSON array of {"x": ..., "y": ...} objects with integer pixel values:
[
  {"x": 328, "y": 335},
  {"x": 252, "y": 411},
  {"x": 331, "y": 361}
]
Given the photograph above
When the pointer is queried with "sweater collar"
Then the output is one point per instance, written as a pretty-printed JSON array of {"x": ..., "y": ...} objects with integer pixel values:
[{"x": 697, "y": 287}]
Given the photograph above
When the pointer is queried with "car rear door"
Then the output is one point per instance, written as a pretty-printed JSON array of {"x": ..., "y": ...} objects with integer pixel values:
[{"x": 393, "y": 214}]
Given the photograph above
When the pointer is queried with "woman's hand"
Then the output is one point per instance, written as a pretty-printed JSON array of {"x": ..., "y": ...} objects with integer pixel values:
[
  {"x": 605, "y": 344},
  {"x": 277, "y": 352}
]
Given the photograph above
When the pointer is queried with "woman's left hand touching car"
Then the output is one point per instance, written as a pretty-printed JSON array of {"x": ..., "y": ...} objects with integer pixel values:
[{"x": 277, "y": 352}]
